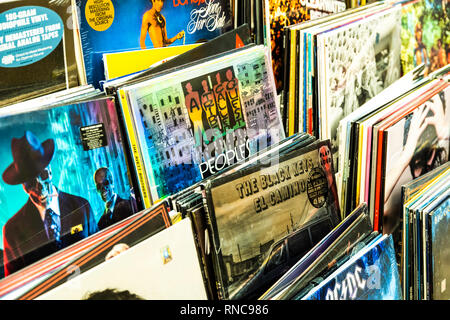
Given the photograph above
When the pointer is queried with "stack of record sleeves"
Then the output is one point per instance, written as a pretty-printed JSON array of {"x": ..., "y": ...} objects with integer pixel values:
[{"x": 425, "y": 259}]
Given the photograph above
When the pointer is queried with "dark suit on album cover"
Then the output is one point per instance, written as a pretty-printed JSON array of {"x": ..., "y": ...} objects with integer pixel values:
[
  {"x": 122, "y": 209},
  {"x": 25, "y": 239},
  {"x": 50, "y": 219}
]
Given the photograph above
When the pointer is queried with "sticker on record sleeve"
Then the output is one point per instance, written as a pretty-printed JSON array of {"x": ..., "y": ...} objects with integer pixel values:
[
  {"x": 28, "y": 34},
  {"x": 317, "y": 187},
  {"x": 76, "y": 229},
  {"x": 166, "y": 255},
  {"x": 93, "y": 137},
  {"x": 99, "y": 14}
]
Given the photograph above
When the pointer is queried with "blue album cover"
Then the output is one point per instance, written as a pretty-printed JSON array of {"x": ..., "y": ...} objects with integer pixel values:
[
  {"x": 64, "y": 177},
  {"x": 117, "y": 25},
  {"x": 370, "y": 275}
]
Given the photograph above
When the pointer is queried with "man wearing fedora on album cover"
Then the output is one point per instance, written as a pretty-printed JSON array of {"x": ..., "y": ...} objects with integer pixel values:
[{"x": 51, "y": 219}]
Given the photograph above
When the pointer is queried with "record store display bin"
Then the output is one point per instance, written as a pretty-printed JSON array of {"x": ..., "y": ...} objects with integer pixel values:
[{"x": 225, "y": 150}]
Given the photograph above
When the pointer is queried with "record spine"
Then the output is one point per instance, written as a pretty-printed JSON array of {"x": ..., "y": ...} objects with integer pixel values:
[
  {"x": 291, "y": 76},
  {"x": 285, "y": 84},
  {"x": 200, "y": 254},
  {"x": 426, "y": 251},
  {"x": 309, "y": 85},
  {"x": 212, "y": 237},
  {"x": 134, "y": 146}
]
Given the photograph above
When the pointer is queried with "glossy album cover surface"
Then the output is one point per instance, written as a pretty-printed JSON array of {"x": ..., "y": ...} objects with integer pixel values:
[
  {"x": 37, "y": 53},
  {"x": 194, "y": 123},
  {"x": 416, "y": 144},
  {"x": 252, "y": 212},
  {"x": 64, "y": 177},
  {"x": 113, "y": 25},
  {"x": 286, "y": 13},
  {"x": 169, "y": 269},
  {"x": 370, "y": 276},
  {"x": 360, "y": 60},
  {"x": 425, "y": 39}
]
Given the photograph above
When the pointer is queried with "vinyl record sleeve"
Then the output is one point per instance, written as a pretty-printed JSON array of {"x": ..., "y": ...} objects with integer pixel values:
[
  {"x": 203, "y": 243},
  {"x": 370, "y": 275},
  {"x": 407, "y": 237},
  {"x": 439, "y": 149},
  {"x": 419, "y": 45},
  {"x": 14, "y": 285},
  {"x": 114, "y": 87},
  {"x": 150, "y": 223},
  {"x": 372, "y": 138},
  {"x": 321, "y": 255},
  {"x": 50, "y": 99},
  {"x": 112, "y": 26},
  {"x": 285, "y": 78},
  {"x": 293, "y": 108},
  {"x": 435, "y": 194},
  {"x": 168, "y": 269},
  {"x": 303, "y": 65},
  {"x": 37, "y": 49},
  {"x": 234, "y": 39},
  {"x": 394, "y": 91},
  {"x": 74, "y": 141},
  {"x": 122, "y": 63},
  {"x": 341, "y": 90},
  {"x": 240, "y": 207},
  {"x": 357, "y": 232},
  {"x": 342, "y": 19},
  {"x": 365, "y": 152},
  {"x": 432, "y": 137},
  {"x": 186, "y": 122},
  {"x": 293, "y": 12},
  {"x": 440, "y": 204}
]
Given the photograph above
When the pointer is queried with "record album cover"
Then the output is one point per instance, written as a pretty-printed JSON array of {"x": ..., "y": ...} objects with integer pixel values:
[
  {"x": 149, "y": 223},
  {"x": 416, "y": 144},
  {"x": 425, "y": 38},
  {"x": 195, "y": 123},
  {"x": 253, "y": 210},
  {"x": 119, "y": 64},
  {"x": 370, "y": 275},
  {"x": 169, "y": 269},
  {"x": 37, "y": 53},
  {"x": 64, "y": 177},
  {"x": 113, "y": 25},
  {"x": 360, "y": 60},
  {"x": 285, "y": 13}
]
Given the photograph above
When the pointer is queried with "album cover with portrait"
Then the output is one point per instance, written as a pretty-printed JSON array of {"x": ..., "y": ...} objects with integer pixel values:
[
  {"x": 108, "y": 26},
  {"x": 257, "y": 215},
  {"x": 64, "y": 177},
  {"x": 194, "y": 122},
  {"x": 37, "y": 49}
]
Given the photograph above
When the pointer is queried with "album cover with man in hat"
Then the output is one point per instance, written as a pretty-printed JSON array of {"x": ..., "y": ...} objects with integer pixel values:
[{"x": 64, "y": 177}]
